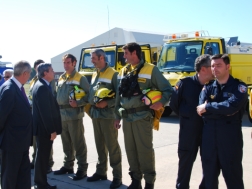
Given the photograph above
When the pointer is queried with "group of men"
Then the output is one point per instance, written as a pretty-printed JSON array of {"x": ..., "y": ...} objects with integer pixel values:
[
  {"x": 52, "y": 112},
  {"x": 210, "y": 113}
]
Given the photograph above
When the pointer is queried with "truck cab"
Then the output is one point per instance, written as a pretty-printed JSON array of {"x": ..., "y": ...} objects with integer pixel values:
[
  {"x": 114, "y": 56},
  {"x": 178, "y": 55}
]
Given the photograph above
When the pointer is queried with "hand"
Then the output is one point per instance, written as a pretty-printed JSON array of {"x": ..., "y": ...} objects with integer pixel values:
[
  {"x": 201, "y": 108},
  {"x": 117, "y": 124},
  {"x": 156, "y": 106},
  {"x": 101, "y": 104},
  {"x": 53, "y": 136},
  {"x": 73, "y": 103}
]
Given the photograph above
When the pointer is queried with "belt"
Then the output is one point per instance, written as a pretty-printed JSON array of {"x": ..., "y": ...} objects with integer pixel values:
[{"x": 138, "y": 109}]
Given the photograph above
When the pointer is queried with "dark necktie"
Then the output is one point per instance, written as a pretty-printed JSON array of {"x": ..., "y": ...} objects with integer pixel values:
[
  {"x": 23, "y": 92},
  {"x": 50, "y": 87}
]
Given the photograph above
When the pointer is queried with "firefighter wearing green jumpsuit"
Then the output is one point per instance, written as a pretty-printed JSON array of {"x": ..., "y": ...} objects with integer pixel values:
[
  {"x": 137, "y": 117},
  {"x": 72, "y": 112},
  {"x": 101, "y": 97}
]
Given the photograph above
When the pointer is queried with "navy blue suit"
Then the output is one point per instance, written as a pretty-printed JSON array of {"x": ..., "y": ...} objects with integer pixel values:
[
  {"x": 184, "y": 100},
  {"x": 47, "y": 120},
  {"x": 15, "y": 137},
  {"x": 222, "y": 141}
]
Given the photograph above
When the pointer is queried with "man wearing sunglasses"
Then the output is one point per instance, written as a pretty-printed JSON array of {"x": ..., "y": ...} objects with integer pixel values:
[{"x": 7, "y": 74}]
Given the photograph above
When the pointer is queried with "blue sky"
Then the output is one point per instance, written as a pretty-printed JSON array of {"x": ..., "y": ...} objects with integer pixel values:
[{"x": 31, "y": 29}]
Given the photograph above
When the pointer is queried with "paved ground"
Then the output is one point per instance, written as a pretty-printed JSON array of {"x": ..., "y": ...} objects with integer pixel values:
[{"x": 165, "y": 144}]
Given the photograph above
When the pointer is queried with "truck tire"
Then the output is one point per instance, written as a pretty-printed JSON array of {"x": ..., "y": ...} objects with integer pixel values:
[{"x": 167, "y": 111}]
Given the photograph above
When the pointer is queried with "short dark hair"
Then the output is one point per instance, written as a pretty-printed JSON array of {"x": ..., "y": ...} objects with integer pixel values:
[
  {"x": 72, "y": 57},
  {"x": 224, "y": 57},
  {"x": 44, "y": 67},
  {"x": 133, "y": 47},
  {"x": 37, "y": 62},
  {"x": 202, "y": 61}
]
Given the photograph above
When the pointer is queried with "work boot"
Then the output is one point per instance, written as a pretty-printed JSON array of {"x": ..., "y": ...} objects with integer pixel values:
[
  {"x": 63, "y": 171},
  {"x": 96, "y": 177},
  {"x": 135, "y": 184},
  {"x": 116, "y": 183},
  {"x": 79, "y": 175},
  {"x": 148, "y": 186}
]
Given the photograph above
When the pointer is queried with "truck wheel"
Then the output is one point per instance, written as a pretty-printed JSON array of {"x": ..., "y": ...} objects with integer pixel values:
[{"x": 167, "y": 111}]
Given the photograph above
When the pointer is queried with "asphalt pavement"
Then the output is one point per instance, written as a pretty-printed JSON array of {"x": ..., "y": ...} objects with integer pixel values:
[{"x": 165, "y": 145}]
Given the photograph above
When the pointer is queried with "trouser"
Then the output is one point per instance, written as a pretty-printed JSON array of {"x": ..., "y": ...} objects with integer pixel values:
[
  {"x": 15, "y": 170},
  {"x": 138, "y": 136},
  {"x": 74, "y": 144},
  {"x": 222, "y": 150},
  {"x": 189, "y": 142},
  {"x": 50, "y": 163},
  {"x": 44, "y": 146},
  {"x": 106, "y": 141}
]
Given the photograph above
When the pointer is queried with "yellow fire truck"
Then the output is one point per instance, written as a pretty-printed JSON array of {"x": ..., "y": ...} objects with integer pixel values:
[{"x": 180, "y": 50}]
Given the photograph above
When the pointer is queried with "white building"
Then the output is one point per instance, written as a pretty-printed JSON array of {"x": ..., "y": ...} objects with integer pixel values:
[{"x": 116, "y": 35}]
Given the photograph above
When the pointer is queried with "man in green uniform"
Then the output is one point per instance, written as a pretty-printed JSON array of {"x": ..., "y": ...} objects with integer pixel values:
[
  {"x": 103, "y": 86},
  {"x": 32, "y": 83},
  {"x": 137, "y": 117},
  {"x": 72, "y": 112}
]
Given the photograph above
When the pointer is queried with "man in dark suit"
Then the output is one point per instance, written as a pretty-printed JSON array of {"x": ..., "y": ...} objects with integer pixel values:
[
  {"x": 15, "y": 130},
  {"x": 46, "y": 123}
]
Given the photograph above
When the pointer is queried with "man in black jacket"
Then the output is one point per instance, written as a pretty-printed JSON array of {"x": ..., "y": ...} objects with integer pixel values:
[
  {"x": 46, "y": 122},
  {"x": 184, "y": 101},
  {"x": 15, "y": 130}
]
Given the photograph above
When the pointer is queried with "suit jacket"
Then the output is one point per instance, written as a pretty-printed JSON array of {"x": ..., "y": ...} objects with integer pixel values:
[
  {"x": 46, "y": 114},
  {"x": 15, "y": 119}
]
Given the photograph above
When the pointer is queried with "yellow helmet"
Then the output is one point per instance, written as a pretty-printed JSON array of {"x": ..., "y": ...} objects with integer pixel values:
[
  {"x": 76, "y": 93},
  {"x": 151, "y": 97},
  {"x": 102, "y": 94}
]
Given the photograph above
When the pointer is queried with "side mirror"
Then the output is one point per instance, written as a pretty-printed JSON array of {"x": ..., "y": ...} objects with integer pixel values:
[{"x": 154, "y": 57}]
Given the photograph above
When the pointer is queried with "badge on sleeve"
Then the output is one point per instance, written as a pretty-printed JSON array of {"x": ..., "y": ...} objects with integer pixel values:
[
  {"x": 242, "y": 88},
  {"x": 177, "y": 86},
  {"x": 212, "y": 96}
]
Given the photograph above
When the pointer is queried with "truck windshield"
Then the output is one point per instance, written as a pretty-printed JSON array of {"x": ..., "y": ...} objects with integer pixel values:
[
  {"x": 110, "y": 58},
  {"x": 179, "y": 56}
]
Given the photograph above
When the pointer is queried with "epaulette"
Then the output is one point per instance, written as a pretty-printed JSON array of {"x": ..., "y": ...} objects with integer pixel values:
[
  {"x": 184, "y": 78},
  {"x": 239, "y": 80}
]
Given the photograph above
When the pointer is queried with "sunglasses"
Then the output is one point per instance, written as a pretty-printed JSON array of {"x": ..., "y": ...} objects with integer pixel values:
[{"x": 6, "y": 77}]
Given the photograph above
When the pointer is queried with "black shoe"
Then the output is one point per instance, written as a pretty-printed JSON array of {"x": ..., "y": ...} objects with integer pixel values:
[
  {"x": 96, "y": 177},
  {"x": 135, "y": 184},
  {"x": 116, "y": 183},
  {"x": 32, "y": 165},
  {"x": 148, "y": 186},
  {"x": 63, "y": 171},
  {"x": 79, "y": 175},
  {"x": 49, "y": 170}
]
